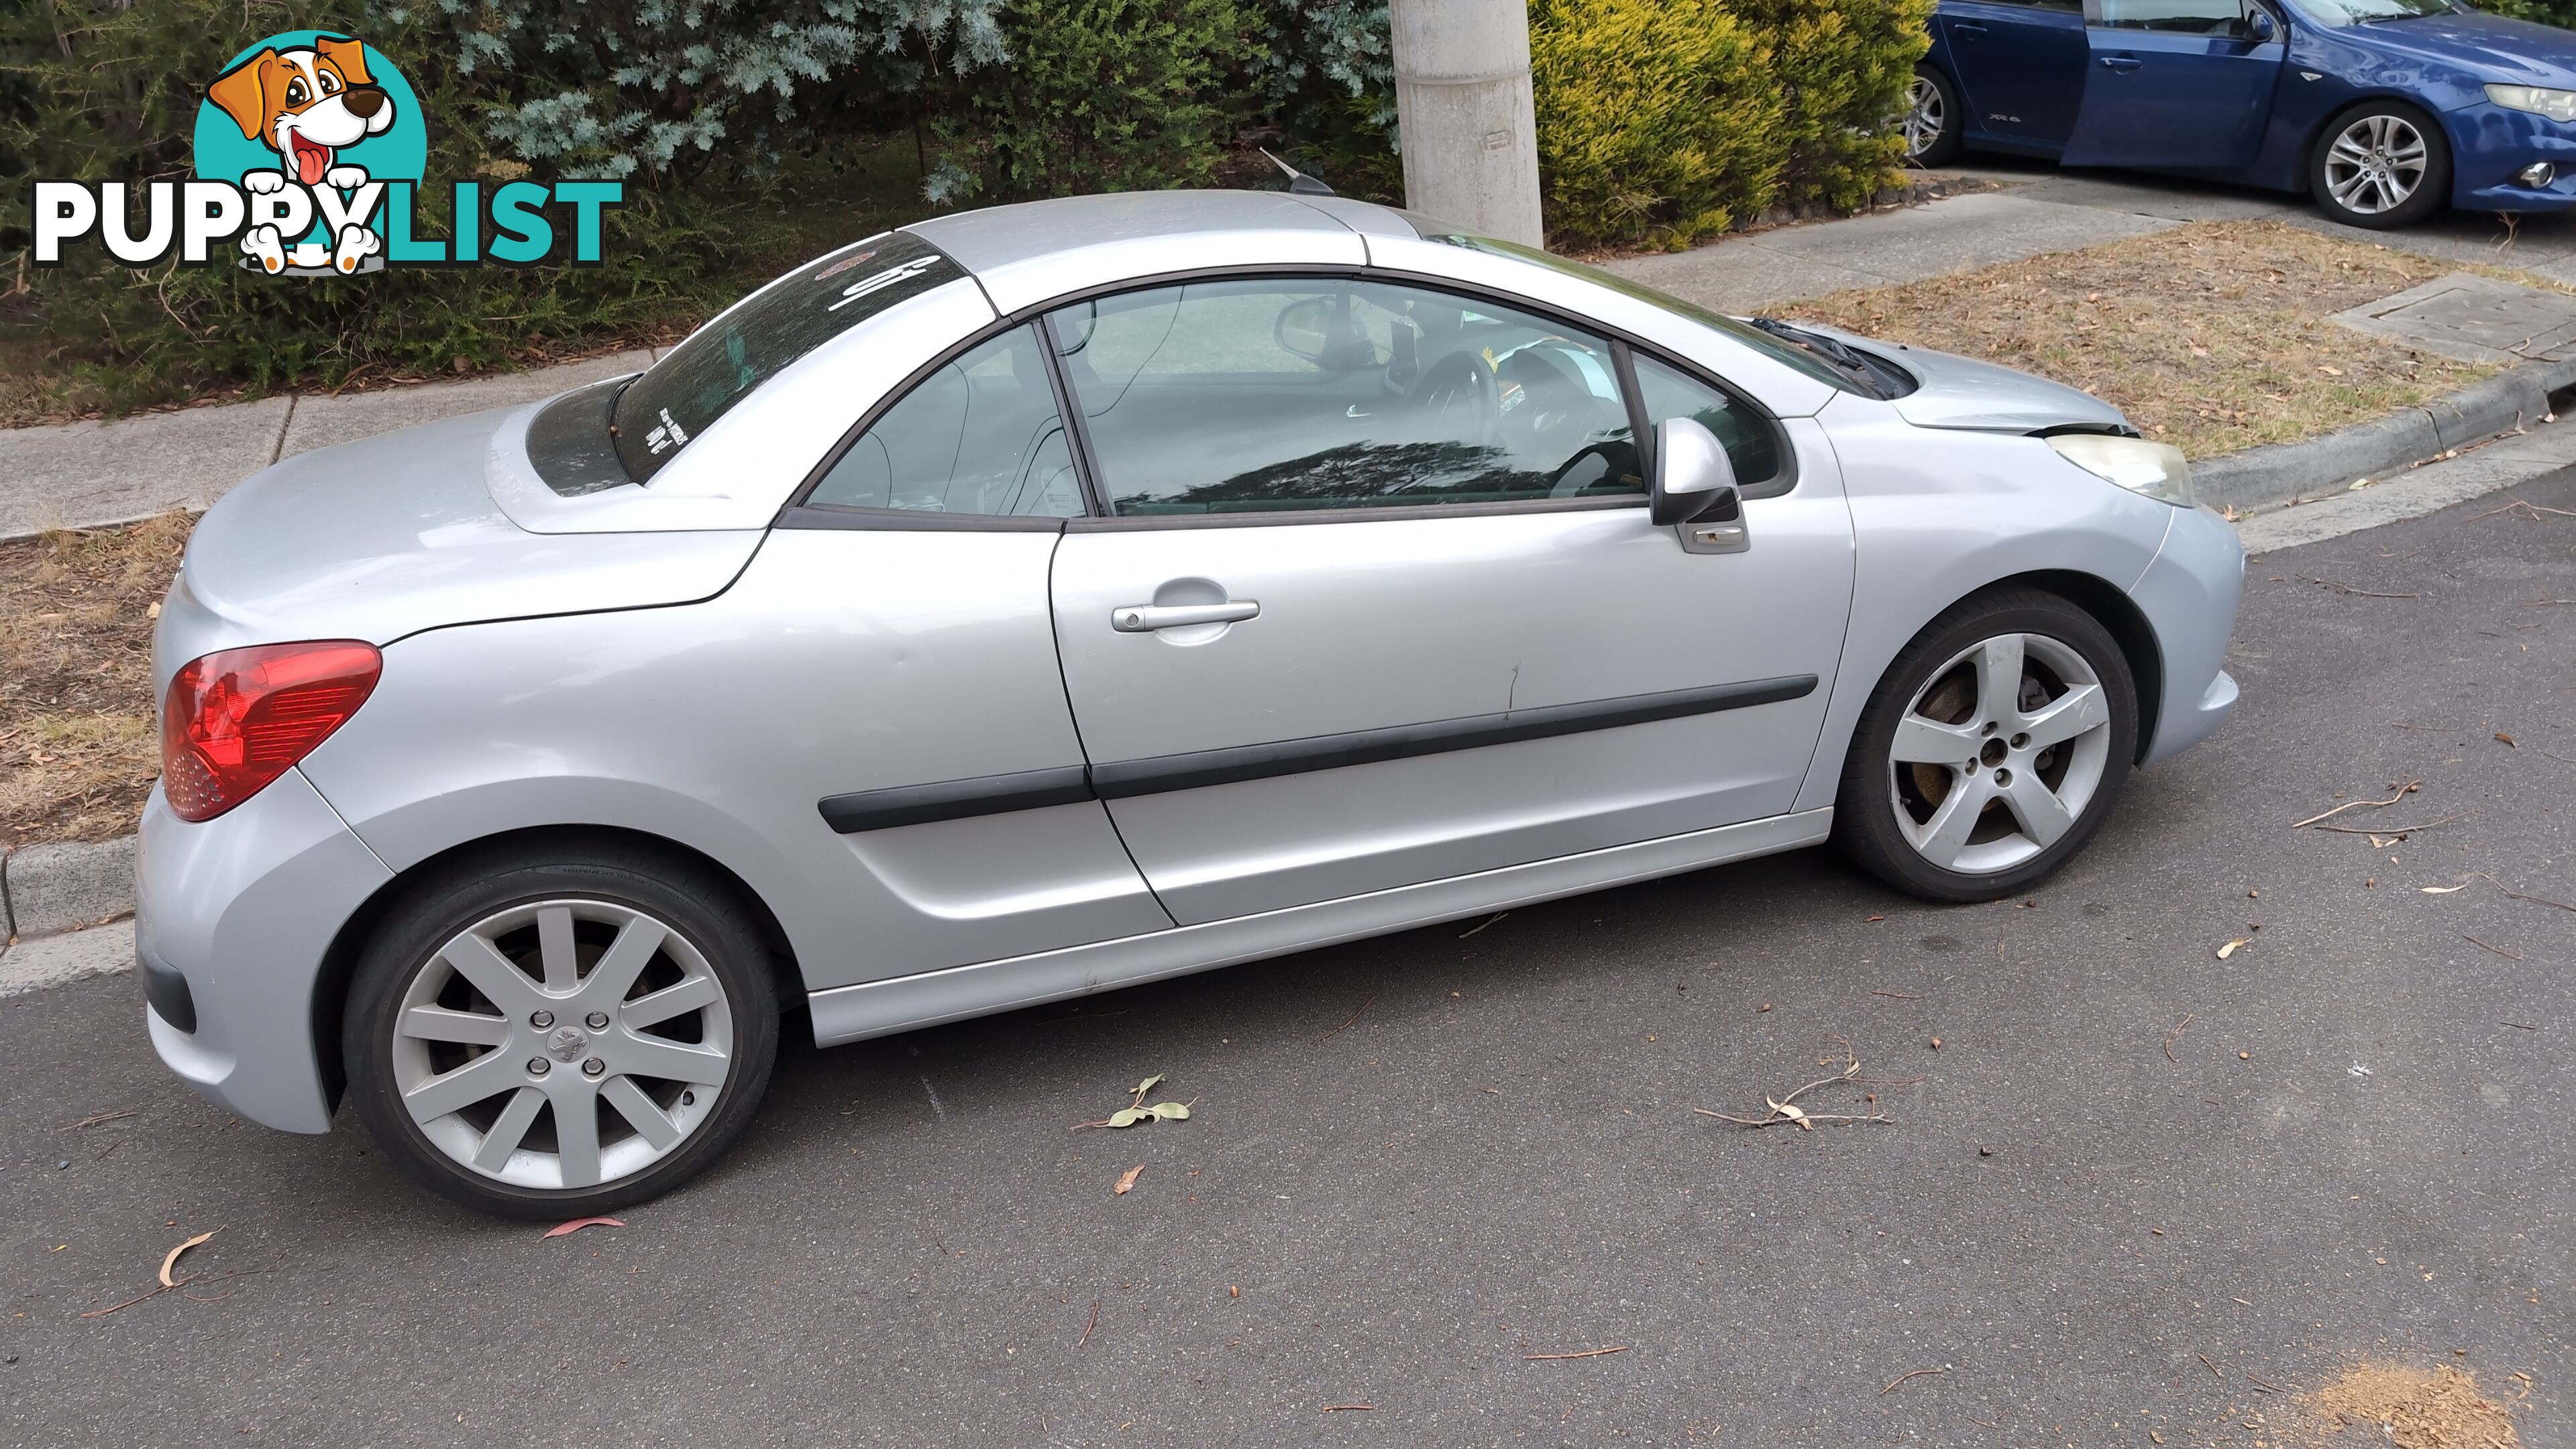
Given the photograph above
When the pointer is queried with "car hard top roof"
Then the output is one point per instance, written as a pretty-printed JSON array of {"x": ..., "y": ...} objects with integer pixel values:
[{"x": 994, "y": 238}]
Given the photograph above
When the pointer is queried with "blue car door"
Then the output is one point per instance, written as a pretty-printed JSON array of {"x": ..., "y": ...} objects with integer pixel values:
[
  {"x": 2020, "y": 68},
  {"x": 2177, "y": 84}
]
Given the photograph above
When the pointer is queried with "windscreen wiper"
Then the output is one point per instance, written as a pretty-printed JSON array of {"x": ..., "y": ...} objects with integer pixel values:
[{"x": 1825, "y": 347}]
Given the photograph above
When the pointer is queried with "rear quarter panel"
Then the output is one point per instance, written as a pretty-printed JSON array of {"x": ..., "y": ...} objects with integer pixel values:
[{"x": 840, "y": 662}]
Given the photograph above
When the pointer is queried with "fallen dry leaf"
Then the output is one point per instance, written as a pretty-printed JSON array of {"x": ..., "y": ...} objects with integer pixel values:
[
  {"x": 172, "y": 1260},
  {"x": 2230, "y": 948},
  {"x": 577, "y": 1224},
  {"x": 2504, "y": 738},
  {"x": 1127, "y": 1180},
  {"x": 2440, "y": 890}
]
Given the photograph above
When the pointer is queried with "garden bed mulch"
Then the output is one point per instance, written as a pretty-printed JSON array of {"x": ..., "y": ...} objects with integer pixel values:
[
  {"x": 77, "y": 749},
  {"x": 2213, "y": 336}
]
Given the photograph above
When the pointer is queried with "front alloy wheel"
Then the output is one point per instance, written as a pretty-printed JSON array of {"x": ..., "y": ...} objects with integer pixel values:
[
  {"x": 1996, "y": 758},
  {"x": 2380, "y": 165},
  {"x": 561, "y": 1038},
  {"x": 1990, "y": 751}
]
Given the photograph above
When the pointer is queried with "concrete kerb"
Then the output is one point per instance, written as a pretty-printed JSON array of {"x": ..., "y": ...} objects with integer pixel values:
[
  {"x": 2278, "y": 474},
  {"x": 46, "y": 890}
]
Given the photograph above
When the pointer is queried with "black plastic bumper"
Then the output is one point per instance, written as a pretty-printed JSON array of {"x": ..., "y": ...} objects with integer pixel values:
[{"x": 168, "y": 993}]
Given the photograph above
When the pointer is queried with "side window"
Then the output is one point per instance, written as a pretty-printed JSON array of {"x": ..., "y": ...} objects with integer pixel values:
[
  {"x": 2186, "y": 17},
  {"x": 980, "y": 435},
  {"x": 1277, "y": 395},
  {"x": 1750, "y": 443}
]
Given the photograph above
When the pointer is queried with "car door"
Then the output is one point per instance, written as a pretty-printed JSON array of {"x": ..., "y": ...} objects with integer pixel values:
[
  {"x": 2177, "y": 84},
  {"x": 1376, "y": 599},
  {"x": 912, "y": 690},
  {"x": 2020, "y": 67}
]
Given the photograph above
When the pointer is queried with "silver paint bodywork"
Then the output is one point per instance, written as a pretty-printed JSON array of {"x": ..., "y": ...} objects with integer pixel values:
[
  {"x": 1371, "y": 624},
  {"x": 1963, "y": 393},
  {"x": 663, "y": 660}
]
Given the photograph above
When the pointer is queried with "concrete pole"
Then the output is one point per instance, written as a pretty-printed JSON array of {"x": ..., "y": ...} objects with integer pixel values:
[{"x": 1462, "y": 101}]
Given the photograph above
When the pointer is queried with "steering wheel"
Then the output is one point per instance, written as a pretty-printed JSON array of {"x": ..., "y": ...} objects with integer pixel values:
[
  {"x": 1553, "y": 416},
  {"x": 1458, "y": 398}
]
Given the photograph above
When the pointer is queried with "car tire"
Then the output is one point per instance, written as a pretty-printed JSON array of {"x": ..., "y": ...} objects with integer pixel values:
[
  {"x": 2050, "y": 749},
  {"x": 604, "y": 982},
  {"x": 2381, "y": 164},
  {"x": 1935, "y": 128}
]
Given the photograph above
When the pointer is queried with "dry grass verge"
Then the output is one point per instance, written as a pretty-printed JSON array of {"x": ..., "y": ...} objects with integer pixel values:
[
  {"x": 2213, "y": 336},
  {"x": 77, "y": 750}
]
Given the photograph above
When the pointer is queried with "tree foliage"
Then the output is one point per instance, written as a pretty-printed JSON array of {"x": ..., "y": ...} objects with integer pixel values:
[{"x": 1103, "y": 95}]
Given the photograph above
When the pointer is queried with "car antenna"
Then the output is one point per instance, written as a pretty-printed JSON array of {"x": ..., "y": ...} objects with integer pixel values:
[{"x": 1299, "y": 183}]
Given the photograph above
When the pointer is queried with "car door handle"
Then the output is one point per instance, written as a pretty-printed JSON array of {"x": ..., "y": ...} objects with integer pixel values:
[
  {"x": 1146, "y": 618},
  {"x": 2121, "y": 63},
  {"x": 1967, "y": 28}
]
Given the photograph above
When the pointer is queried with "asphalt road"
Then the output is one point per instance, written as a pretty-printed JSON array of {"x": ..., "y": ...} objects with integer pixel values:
[{"x": 1417, "y": 1161}]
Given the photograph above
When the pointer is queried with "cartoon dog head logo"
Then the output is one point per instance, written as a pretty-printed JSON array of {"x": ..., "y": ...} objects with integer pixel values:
[
  {"x": 306, "y": 103},
  {"x": 324, "y": 113},
  {"x": 309, "y": 158}
]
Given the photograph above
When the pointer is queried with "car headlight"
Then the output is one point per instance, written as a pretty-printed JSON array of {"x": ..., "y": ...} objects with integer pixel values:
[
  {"x": 2155, "y": 469},
  {"x": 2540, "y": 101}
]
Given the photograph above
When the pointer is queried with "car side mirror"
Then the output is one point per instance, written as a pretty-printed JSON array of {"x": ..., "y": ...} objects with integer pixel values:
[
  {"x": 1323, "y": 331},
  {"x": 2261, "y": 28},
  {"x": 1693, "y": 477}
]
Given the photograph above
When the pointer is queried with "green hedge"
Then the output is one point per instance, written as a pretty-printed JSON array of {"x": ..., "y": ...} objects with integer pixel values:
[{"x": 1661, "y": 122}]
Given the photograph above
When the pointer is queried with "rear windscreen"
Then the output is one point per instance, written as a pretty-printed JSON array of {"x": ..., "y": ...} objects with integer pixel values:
[{"x": 720, "y": 365}]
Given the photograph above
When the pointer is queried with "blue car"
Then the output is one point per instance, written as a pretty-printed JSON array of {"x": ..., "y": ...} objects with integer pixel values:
[{"x": 2382, "y": 110}]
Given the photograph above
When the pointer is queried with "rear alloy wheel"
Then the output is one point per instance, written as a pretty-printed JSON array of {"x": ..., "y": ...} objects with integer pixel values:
[
  {"x": 555, "y": 1040},
  {"x": 1931, "y": 119},
  {"x": 1991, "y": 751},
  {"x": 2380, "y": 165}
]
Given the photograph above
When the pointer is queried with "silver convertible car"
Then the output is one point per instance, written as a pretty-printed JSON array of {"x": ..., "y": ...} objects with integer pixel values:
[{"x": 1042, "y": 600}]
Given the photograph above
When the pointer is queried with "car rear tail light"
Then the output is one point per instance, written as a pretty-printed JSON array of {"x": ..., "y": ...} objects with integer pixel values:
[{"x": 237, "y": 719}]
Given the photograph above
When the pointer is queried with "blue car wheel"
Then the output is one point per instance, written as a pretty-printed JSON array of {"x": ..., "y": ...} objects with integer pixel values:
[
  {"x": 1932, "y": 120},
  {"x": 2381, "y": 164}
]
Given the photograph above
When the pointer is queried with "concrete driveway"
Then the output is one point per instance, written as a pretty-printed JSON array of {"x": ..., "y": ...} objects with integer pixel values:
[
  {"x": 2542, "y": 244},
  {"x": 2132, "y": 1181},
  {"x": 2040, "y": 208}
]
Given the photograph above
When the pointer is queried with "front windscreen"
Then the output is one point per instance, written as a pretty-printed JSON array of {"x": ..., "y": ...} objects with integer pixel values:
[
  {"x": 678, "y": 397},
  {"x": 1786, "y": 353}
]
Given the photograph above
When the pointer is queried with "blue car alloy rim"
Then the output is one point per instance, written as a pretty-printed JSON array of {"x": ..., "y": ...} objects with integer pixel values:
[
  {"x": 1925, "y": 117},
  {"x": 2375, "y": 164}
]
